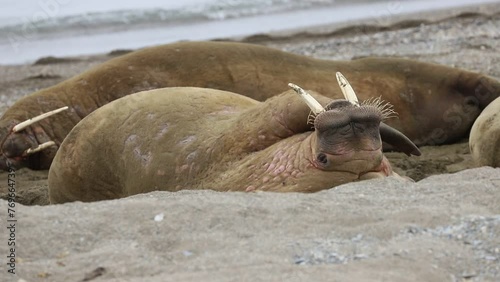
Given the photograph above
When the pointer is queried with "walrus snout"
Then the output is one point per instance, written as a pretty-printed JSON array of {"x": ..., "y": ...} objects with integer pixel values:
[
  {"x": 348, "y": 138},
  {"x": 10, "y": 146},
  {"x": 26, "y": 143},
  {"x": 24, "y": 148}
]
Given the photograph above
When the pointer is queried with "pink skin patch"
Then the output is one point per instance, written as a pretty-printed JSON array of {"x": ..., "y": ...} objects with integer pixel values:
[
  {"x": 164, "y": 129},
  {"x": 145, "y": 159},
  {"x": 189, "y": 164},
  {"x": 278, "y": 170},
  {"x": 182, "y": 168},
  {"x": 250, "y": 188},
  {"x": 227, "y": 110}
]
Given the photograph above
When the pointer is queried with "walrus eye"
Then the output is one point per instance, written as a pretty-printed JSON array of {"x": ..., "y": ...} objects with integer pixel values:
[{"x": 322, "y": 158}]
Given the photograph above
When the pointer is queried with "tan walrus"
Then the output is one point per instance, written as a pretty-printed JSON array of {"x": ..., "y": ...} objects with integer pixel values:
[
  {"x": 436, "y": 104},
  {"x": 197, "y": 138},
  {"x": 484, "y": 140}
]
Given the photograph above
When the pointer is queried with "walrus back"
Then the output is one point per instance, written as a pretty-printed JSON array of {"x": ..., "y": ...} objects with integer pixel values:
[{"x": 141, "y": 136}]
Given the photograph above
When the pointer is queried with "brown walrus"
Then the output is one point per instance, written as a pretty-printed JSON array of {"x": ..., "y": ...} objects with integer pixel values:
[
  {"x": 484, "y": 140},
  {"x": 197, "y": 138},
  {"x": 436, "y": 104}
]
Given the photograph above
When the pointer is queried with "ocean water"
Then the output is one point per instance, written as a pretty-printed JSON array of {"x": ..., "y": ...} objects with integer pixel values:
[{"x": 30, "y": 29}]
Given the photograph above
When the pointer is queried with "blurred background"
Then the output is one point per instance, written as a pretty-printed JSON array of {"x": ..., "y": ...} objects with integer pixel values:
[{"x": 31, "y": 29}]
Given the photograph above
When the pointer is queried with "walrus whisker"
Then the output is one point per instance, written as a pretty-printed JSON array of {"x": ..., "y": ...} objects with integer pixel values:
[
  {"x": 40, "y": 147},
  {"x": 311, "y": 118},
  {"x": 33, "y": 120},
  {"x": 386, "y": 108},
  {"x": 315, "y": 106},
  {"x": 347, "y": 90}
]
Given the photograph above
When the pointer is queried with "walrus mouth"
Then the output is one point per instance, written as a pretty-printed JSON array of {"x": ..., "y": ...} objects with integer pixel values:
[
  {"x": 383, "y": 170},
  {"x": 356, "y": 161}
]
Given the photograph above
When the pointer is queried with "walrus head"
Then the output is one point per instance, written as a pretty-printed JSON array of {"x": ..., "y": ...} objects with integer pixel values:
[
  {"x": 348, "y": 134},
  {"x": 26, "y": 144},
  {"x": 348, "y": 138}
]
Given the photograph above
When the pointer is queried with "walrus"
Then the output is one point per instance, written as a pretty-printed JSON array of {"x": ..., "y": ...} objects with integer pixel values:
[
  {"x": 484, "y": 140},
  {"x": 198, "y": 138},
  {"x": 436, "y": 104}
]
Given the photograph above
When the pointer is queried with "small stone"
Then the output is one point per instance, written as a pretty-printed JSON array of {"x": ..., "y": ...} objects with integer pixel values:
[
  {"x": 318, "y": 256},
  {"x": 469, "y": 274},
  {"x": 357, "y": 238},
  {"x": 300, "y": 261},
  {"x": 159, "y": 217},
  {"x": 360, "y": 256},
  {"x": 43, "y": 274},
  {"x": 492, "y": 258},
  {"x": 413, "y": 230},
  {"x": 401, "y": 252},
  {"x": 99, "y": 271}
]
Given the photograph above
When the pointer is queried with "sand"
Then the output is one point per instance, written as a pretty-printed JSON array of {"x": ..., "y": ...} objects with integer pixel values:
[{"x": 442, "y": 228}]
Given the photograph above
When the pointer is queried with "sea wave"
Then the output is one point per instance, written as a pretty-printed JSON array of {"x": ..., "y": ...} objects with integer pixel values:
[{"x": 119, "y": 20}]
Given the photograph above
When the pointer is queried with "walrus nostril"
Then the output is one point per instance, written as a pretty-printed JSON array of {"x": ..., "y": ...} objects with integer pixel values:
[{"x": 322, "y": 158}]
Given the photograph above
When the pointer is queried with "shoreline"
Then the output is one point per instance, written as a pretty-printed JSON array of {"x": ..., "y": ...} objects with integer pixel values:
[
  {"x": 369, "y": 18},
  {"x": 383, "y": 22}
]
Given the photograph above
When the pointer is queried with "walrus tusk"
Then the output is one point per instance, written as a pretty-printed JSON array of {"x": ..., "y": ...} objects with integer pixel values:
[
  {"x": 31, "y": 121},
  {"x": 315, "y": 106},
  {"x": 40, "y": 147},
  {"x": 347, "y": 90}
]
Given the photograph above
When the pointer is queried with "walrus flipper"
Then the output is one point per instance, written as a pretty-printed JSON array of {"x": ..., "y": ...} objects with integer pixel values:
[{"x": 398, "y": 140}]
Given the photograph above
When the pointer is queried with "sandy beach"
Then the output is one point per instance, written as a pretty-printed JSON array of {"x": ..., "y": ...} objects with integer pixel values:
[{"x": 411, "y": 244}]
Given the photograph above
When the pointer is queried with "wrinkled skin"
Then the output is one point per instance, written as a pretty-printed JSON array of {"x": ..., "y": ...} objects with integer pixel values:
[
  {"x": 436, "y": 104},
  {"x": 195, "y": 138},
  {"x": 484, "y": 140}
]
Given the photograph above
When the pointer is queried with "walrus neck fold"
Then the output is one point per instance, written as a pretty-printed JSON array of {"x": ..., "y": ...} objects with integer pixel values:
[
  {"x": 278, "y": 118},
  {"x": 284, "y": 166}
]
